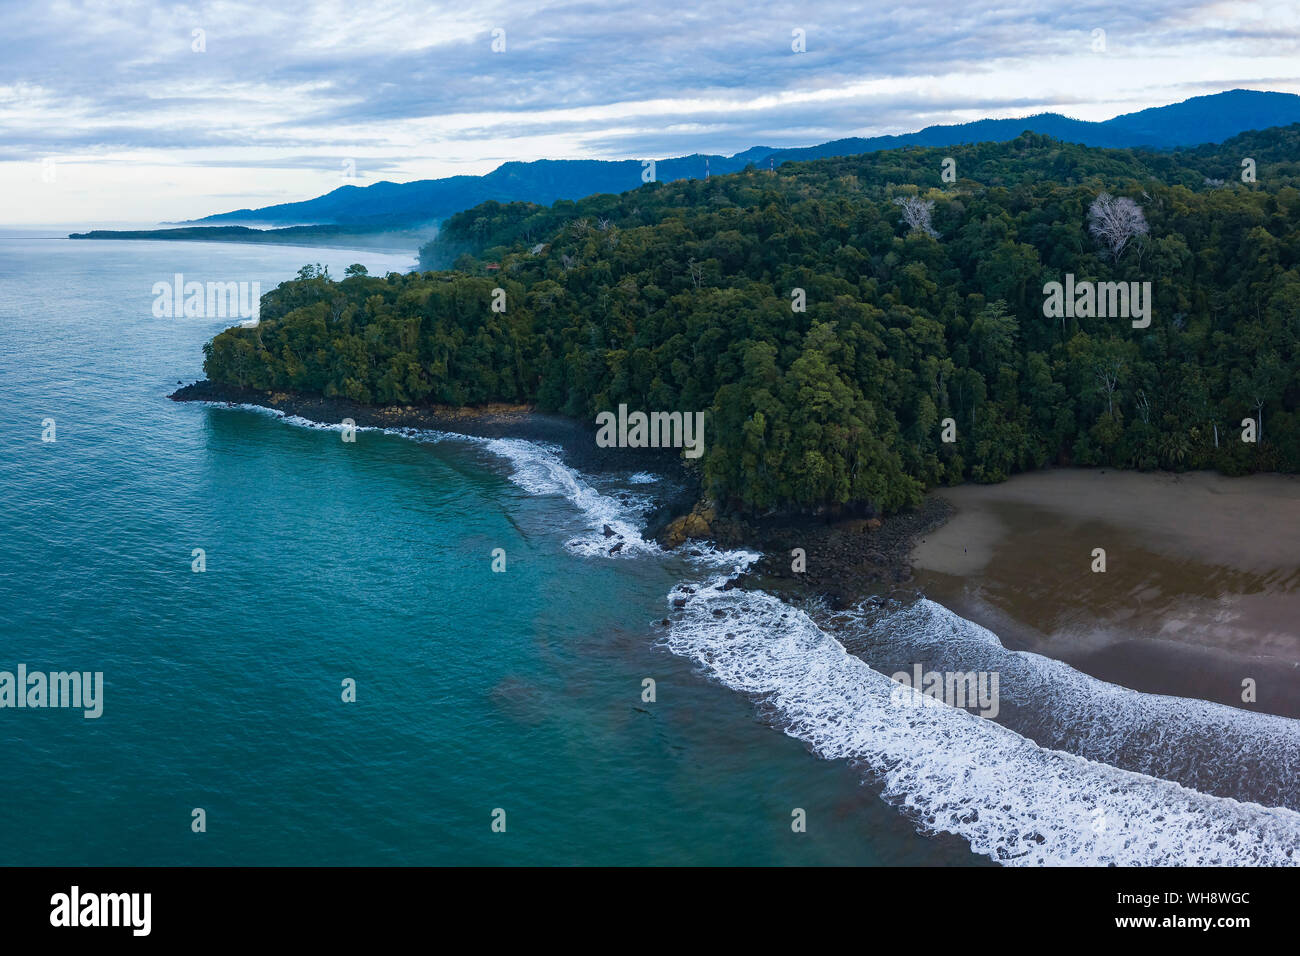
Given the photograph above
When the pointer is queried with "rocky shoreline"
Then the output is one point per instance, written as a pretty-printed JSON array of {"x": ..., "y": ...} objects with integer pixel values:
[
  {"x": 846, "y": 559},
  {"x": 841, "y": 561}
]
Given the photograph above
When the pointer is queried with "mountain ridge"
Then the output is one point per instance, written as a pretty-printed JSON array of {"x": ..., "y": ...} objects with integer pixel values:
[{"x": 1198, "y": 120}]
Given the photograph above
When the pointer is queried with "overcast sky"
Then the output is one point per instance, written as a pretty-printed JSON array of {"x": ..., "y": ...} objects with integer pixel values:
[{"x": 119, "y": 111}]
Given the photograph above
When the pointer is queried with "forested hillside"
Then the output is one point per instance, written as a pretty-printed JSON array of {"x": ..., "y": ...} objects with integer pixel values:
[{"x": 681, "y": 297}]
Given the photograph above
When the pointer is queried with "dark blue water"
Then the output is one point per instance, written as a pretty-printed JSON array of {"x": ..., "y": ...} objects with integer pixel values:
[{"x": 329, "y": 560}]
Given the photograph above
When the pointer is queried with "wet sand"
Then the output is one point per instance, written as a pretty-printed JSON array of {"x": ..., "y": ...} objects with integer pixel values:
[{"x": 1201, "y": 589}]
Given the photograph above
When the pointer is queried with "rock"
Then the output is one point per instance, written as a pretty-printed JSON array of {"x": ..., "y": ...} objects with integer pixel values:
[
  {"x": 695, "y": 526},
  {"x": 673, "y": 534},
  {"x": 616, "y": 548},
  {"x": 679, "y": 602},
  {"x": 609, "y": 532},
  {"x": 719, "y": 612},
  {"x": 698, "y": 524}
]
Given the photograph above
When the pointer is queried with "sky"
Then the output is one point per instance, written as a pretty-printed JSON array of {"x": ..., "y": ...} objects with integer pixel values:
[{"x": 136, "y": 112}]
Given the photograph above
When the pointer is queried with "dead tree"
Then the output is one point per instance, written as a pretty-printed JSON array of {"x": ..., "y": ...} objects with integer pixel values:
[
  {"x": 1144, "y": 407},
  {"x": 916, "y": 214},
  {"x": 1108, "y": 372},
  {"x": 1115, "y": 222}
]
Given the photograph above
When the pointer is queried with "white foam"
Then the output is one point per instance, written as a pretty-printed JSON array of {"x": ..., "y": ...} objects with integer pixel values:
[
  {"x": 1203, "y": 745},
  {"x": 538, "y": 468},
  {"x": 955, "y": 772},
  {"x": 418, "y": 434}
]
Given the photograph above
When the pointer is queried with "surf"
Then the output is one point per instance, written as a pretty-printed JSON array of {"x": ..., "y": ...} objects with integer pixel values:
[
  {"x": 1014, "y": 799},
  {"x": 1203, "y": 745},
  {"x": 953, "y": 772}
]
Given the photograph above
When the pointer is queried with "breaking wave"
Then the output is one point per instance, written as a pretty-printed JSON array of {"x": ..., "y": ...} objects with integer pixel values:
[
  {"x": 1084, "y": 773},
  {"x": 538, "y": 468},
  {"x": 1203, "y": 745},
  {"x": 952, "y": 771}
]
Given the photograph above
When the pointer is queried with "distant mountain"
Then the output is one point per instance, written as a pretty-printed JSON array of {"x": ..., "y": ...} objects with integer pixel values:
[
  {"x": 428, "y": 200},
  {"x": 1202, "y": 119},
  {"x": 385, "y": 205}
]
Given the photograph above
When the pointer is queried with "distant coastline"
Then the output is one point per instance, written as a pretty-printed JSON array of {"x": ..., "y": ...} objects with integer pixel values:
[{"x": 401, "y": 240}]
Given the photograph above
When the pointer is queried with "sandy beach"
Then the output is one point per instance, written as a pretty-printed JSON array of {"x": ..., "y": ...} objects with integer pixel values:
[{"x": 1200, "y": 588}]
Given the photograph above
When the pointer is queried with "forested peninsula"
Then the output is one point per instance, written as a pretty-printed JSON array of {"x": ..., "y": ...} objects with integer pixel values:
[{"x": 857, "y": 329}]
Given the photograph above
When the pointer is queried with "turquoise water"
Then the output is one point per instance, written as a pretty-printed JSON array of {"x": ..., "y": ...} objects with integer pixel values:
[
  {"x": 328, "y": 560},
  {"x": 477, "y": 691}
]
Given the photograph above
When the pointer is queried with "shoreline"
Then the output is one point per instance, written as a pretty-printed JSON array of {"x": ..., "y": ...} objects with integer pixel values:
[
  {"x": 848, "y": 559},
  {"x": 491, "y": 421},
  {"x": 339, "y": 242},
  {"x": 1199, "y": 592},
  {"x": 985, "y": 552}
]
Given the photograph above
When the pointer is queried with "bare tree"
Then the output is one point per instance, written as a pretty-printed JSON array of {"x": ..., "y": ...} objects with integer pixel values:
[
  {"x": 696, "y": 270},
  {"x": 1115, "y": 222},
  {"x": 1108, "y": 371},
  {"x": 916, "y": 213},
  {"x": 1144, "y": 407},
  {"x": 1265, "y": 381}
]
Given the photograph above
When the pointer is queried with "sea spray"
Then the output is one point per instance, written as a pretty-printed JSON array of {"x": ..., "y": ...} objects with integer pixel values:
[
  {"x": 949, "y": 770},
  {"x": 954, "y": 772},
  {"x": 538, "y": 468},
  {"x": 1203, "y": 745}
]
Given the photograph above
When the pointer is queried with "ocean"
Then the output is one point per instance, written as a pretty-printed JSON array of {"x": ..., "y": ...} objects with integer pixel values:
[{"x": 500, "y": 717}]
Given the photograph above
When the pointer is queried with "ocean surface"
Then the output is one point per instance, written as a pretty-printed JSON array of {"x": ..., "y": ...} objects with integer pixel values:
[{"x": 480, "y": 695}]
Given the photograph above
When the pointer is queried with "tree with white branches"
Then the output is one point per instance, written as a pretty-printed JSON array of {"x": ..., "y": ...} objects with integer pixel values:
[
  {"x": 916, "y": 213},
  {"x": 1115, "y": 222}
]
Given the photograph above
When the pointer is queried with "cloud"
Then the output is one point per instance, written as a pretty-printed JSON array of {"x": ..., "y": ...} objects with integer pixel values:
[{"x": 255, "y": 92}]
